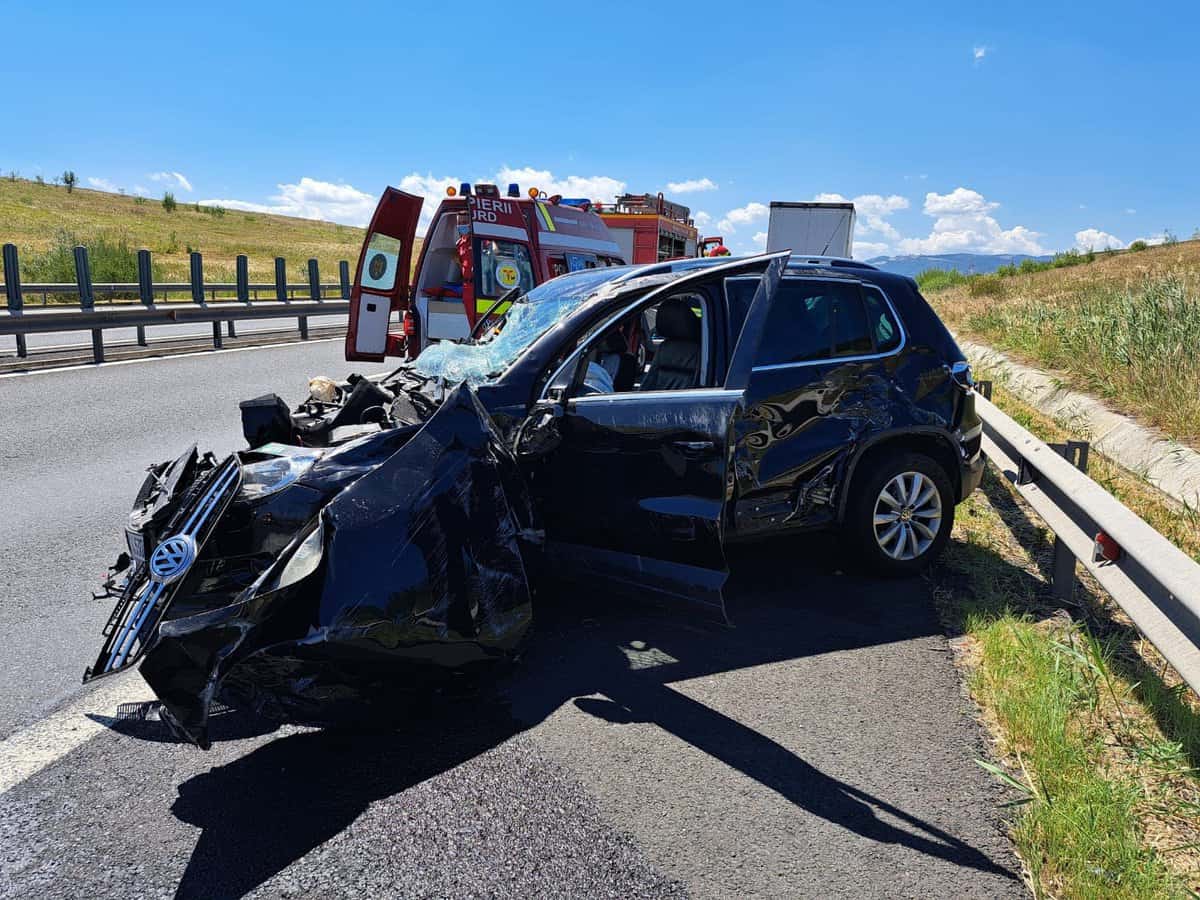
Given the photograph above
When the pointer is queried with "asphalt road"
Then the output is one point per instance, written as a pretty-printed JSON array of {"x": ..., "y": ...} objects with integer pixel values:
[{"x": 821, "y": 747}]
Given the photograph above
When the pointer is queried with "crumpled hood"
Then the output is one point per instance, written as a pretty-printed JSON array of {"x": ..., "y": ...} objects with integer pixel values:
[{"x": 421, "y": 572}]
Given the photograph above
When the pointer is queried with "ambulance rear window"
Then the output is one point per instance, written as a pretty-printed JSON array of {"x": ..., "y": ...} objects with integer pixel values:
[{"x": 502, "y": 266}]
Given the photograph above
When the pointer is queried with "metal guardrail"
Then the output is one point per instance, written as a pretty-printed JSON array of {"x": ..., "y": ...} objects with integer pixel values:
[
  {"x": 1152, "y": 580},
  {"x": 203, "y": 306}
]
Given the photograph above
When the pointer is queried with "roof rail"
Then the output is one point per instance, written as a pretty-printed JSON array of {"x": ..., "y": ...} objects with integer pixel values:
[{"x": 839, "y": 262}]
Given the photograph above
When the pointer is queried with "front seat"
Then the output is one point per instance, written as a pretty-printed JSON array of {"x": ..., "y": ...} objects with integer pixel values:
[{"x": 676, "y": 365}]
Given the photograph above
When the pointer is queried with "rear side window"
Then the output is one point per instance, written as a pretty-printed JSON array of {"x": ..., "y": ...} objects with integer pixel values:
[
  {"x": 814, "y": 320},
  {"x": 880, "y": 321}
]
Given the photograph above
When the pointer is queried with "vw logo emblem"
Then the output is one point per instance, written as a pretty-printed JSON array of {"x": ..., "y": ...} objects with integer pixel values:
[{"x": 172, "y": 558}]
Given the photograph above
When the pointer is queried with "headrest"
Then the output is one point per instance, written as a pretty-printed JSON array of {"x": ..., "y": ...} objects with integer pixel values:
[{"x": 676, "y": 321}]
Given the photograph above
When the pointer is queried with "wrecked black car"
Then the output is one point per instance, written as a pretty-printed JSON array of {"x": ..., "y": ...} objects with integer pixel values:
[{"x": 617, "y": 426}]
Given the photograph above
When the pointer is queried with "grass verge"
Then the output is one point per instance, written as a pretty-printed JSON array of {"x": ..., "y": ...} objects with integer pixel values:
[
  {"x": 1125, "y": 327},
  {"x": 36, "y": 216},
  {"x": 1095, "y": 734}
]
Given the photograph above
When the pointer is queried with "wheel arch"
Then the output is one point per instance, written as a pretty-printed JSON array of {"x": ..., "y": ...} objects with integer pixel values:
[{"x": 928, "y": 441}]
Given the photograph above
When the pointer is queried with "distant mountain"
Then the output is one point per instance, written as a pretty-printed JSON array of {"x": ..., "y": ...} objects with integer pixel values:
[{"x": 967, "y": 263}]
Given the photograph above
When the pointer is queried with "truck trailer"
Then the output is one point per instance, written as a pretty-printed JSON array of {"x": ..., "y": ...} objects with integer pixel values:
[{"x": 816, "y": 229}]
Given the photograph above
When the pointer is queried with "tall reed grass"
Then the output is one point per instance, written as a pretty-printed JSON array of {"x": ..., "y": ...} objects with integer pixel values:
[{"x": 1138, "y": 346}]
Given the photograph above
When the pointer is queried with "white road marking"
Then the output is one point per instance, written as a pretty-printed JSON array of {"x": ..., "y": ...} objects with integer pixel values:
[
  {"x": 27, "y": 752},
  {"x": 149, "y": 359}
]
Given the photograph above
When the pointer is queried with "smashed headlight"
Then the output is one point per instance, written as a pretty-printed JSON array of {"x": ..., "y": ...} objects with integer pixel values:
[
  {"x": 263, "y": 478},
  {"x": 303, "y": 561}
]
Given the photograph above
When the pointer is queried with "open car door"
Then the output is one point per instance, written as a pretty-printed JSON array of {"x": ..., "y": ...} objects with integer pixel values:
[
  {"x": 381, "y": 279},
  {"x": 634, "y": 488}
]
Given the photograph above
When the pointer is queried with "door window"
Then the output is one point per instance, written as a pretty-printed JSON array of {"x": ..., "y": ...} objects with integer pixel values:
[
  {"x": 813, "y": 320},
  {"x": 380, "y": 268},
  {"x": 880, "y": 321},
  {"x": 661, "y": 347}
]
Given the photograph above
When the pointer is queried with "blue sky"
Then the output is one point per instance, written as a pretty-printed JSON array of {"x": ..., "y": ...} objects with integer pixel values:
[{"x": 999, "y": 127}]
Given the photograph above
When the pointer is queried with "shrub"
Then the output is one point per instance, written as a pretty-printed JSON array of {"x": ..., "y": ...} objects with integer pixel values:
[
  {"x": 39, "y": 179},
  {"x": 168, "y": 202},
  {"x": 69, "y": 179},
  {"x": 986, "y": 286},
  {"x": 1006, "y": 271},
  {"x": 1138, "y": 245},
  {"x": 939, "y": 279},
  {"x": 110, "y": 256},
  {"x": 139, "y": 200}
]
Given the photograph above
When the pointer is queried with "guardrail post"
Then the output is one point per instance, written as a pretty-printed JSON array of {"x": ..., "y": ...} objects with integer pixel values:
[
  {"x": 196, "y": 272},
  {"x": 145, "y": 289},
  {"x": 281, "y": 293},
  {"x": 344, "y": 278},
  {"x": 87, "y": 300},
  {"x": 314, "y": 280},
  {"x": 12, "y": 288},
  {"x": 1062, "y": 579},
  {"x": 243, "y": 286}
]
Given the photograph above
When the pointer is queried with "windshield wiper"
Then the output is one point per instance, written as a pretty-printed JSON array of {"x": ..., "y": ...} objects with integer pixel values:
[{"x": 510, "y": 295}]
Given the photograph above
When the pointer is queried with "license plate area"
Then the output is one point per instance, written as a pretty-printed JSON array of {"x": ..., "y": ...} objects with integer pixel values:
[{"x": 136, "y": 542}]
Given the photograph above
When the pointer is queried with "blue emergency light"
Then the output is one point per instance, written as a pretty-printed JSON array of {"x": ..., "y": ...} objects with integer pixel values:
[
  {"x": 465, "y": 188},
  {"x": 514, "y": 190}
]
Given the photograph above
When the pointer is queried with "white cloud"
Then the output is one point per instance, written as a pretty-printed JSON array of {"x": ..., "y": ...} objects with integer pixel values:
[
  {"x": 701, "y": 218},
  {"x": 171, "y": 179},
  {"x": 311, "y": 199},
  {"x": 978, "y": 53},
  {"x": 431, "y": 187},
  {"x": 869, "y": 249},
  {"x": 691, "y": 186},
  {"x": 1131, "y": 211},
  {"x": 592, "y": 187},
  {"x": 102, "y": 184},
  {"x": 1153, "y": 240},
  {"x": 1095, "y": 239},
  {"x": 963, "y": 222},
  {"x": 743, "y": 215},
  {"x": 141, "y": 190},
  {"x": 759, "y": 241},
  {"x": 871, "y": 212}
]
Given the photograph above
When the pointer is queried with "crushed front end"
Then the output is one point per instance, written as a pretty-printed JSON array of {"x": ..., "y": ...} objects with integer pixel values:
[{"x": 316, "y": 585}]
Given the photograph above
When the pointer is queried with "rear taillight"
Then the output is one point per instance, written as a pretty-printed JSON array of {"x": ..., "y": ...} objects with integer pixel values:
[
  {"x": 410, "y": 323},
  {"x": 960, "y": 374}
]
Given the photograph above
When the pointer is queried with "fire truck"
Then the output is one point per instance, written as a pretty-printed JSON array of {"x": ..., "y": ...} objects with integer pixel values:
[
  {"x": 479, "y": 246},
  {"x": 649, "y": 228}
]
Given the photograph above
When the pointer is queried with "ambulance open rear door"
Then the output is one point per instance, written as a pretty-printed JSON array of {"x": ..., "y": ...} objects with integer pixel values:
[{"x": 381, "y": 280}]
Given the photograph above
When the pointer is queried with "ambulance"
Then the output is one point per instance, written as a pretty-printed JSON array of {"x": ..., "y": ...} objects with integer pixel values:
[{"x": 480, "y": 246}]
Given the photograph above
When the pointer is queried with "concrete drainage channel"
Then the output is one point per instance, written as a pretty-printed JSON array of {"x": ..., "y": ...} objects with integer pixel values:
[
  {"x": 80, "y": 354},
  {"x": 1168, "y": 465}
]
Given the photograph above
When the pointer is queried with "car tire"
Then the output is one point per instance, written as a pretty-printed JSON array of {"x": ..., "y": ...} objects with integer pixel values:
[{"x": 900, "y": 513}]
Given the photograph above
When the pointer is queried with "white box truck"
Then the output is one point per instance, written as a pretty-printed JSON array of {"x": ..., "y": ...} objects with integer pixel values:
[{"x": 811, "y": 229}]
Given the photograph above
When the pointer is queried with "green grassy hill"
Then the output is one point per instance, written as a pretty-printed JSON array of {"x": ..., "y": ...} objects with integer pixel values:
[
  {"x": 44, "y": 221},
  {"x": 1124, "y": 326}
]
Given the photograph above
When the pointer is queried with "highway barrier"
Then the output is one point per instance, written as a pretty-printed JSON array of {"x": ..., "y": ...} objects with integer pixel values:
[
  {"x": 204, "y": 306},
  {"x": 1153, "y": 581}
]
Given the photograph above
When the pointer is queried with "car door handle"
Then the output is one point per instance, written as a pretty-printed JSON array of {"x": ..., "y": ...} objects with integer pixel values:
[{"x": 693, "y": 446}]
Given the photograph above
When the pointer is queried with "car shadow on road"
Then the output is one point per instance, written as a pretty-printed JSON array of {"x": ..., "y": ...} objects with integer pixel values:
[{"x": 264, "y": 811}]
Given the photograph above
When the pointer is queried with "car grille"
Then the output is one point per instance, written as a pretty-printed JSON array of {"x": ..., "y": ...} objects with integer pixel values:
[{"x": 157, "y": 575}]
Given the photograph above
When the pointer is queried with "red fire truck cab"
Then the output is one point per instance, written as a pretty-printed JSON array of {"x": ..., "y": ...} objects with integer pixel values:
[{"x": 479, "y": 246}]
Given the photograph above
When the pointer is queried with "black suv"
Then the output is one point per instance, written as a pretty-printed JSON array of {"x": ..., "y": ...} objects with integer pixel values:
[
  {"x": 617, "y": 426},
  {"x": 773, "y": 397}
]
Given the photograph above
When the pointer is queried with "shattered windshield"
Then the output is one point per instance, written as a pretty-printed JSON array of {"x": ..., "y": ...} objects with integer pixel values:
[{"x": 528, "y": 319}]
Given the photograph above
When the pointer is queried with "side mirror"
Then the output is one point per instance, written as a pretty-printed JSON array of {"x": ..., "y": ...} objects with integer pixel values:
[{"x": 539, "y": 433}]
